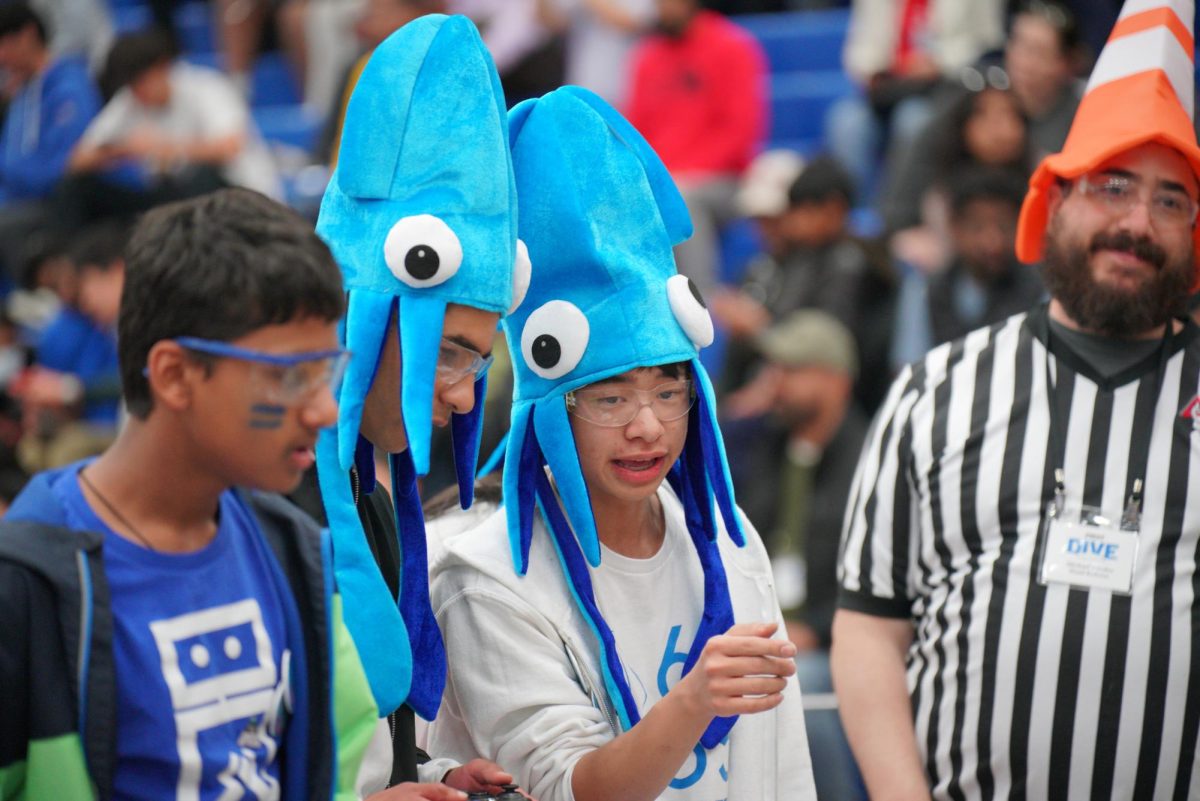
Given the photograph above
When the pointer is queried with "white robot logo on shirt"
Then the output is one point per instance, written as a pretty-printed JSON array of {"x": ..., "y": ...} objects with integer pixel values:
[{"x": 219, "y": 668}]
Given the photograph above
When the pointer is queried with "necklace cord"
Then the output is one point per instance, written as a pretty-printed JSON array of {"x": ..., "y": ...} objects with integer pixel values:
[{"x": 111, "y": 507}]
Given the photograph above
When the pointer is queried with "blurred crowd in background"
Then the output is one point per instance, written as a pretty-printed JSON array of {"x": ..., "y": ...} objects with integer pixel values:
[{"x": 854, "y": 173}]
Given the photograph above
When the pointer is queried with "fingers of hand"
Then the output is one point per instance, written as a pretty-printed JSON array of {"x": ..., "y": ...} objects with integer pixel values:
[
  {"x": 410, "y": 791},
  {"x": 722, "y": 666},
  {"x": 756, "y": 629},
  {"x": 487, "y": 772},
  {"x": 746, "y": 704}
]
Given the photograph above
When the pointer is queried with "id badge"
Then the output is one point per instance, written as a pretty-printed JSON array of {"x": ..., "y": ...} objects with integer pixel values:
[{"x": 1088, "y": 550}]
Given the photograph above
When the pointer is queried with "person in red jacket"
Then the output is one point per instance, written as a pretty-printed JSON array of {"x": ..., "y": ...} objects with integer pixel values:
[{"x": 698, "y": 95}]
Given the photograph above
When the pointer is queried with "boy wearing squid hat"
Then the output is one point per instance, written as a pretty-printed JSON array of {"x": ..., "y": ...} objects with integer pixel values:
[
  {"x": 613, "y": 630},
  {"x": 420, "y": 214}
]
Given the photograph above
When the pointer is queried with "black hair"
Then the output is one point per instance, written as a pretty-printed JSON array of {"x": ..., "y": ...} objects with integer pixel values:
[
  {"x": 488, "y": 490},
  {"x": 16, "y": 17},
  {"x": 133, "y": 54},
  {"x": 950, "y": 139},
  {"x": 675, "y": 370},
  {"x": 985, "y": 183},
  {"x": 1060, "y": 17},
  {"x": 100, "y": 246},
  {"x": 822, "y": 179},
  {"x": 218, "y": 267},
  {"x": 40, "y": 250}
]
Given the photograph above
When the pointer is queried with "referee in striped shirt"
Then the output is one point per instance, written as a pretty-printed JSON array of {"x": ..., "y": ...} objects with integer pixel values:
[{"x": 1018, "y": 569}]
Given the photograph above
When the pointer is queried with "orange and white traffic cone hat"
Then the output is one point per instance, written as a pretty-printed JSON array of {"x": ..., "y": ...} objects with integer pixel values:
[{"x": 1141, "y": 90}]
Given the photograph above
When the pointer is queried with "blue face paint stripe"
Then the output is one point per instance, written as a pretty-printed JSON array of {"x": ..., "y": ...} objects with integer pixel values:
[{"x": 268, "y": 409}]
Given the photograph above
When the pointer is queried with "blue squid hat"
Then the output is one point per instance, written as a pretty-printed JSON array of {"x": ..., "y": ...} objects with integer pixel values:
[
  {"x": 600, "y": 215},
  {"x": 420, "y": 212}
]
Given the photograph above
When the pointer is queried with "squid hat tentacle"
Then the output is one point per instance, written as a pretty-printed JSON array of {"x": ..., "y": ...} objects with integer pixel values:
[
  {"x": 420, "y": 213},
  {"x": 600, "y": 215}
]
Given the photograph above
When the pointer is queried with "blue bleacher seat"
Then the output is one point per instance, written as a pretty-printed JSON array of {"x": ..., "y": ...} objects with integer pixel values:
[
  {"x": 289, "y": 124},
  {"x": 800, "y": 40},
  {"x": 799, "y": 101},
  {"x": 193, "y": 23},
  {"x": 128, "y": 18},
  {"x": 194, "y": 26}
]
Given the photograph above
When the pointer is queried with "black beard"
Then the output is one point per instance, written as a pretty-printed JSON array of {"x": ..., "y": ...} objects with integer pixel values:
[{"x": 1117, "y": 313}]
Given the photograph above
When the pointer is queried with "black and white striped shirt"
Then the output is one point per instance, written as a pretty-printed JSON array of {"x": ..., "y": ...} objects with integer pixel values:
[{"x": 1021, "y": 690}]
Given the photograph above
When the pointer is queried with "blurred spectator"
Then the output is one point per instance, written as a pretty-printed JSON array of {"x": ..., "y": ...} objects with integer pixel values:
[
  {"x": 983, "y": 125},
  {"x": 794, "y": 446},
  {"x": 528, "y": 54},
  {"x": 244, "y": 26},
  {"x": 51, "y": 101},
  {"x": 698, "y": 95},
  {"x": 77, "y": 27},
  {"x": 762, "y": 196},
  {"x": 818, "y": 265},
  {"x": 983, "y": 283},
  {"x": 318, "y": 37},
  {"x": 172, "y": 130},
  {"x": 1096, "y": 19},
  {"x": 71, "y": 395},
  {"x": 13, "y": 356},
  {"x": 899, "y": 52},
  {"x": 379, "y": 20},
  {"x": 1042, "y": 57},
  {"x": 49, "y": 272},
  {"x": 600, "y": 36}
]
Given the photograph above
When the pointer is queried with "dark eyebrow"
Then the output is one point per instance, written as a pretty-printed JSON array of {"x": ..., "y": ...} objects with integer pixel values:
[{"x": 459, "y": 339}]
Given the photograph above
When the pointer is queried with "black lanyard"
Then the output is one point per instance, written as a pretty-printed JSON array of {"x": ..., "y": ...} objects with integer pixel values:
[{"x": 1058, "y": 437}]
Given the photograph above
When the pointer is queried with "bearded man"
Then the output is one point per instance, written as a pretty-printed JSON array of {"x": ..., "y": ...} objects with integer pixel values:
[{"x": 1018, "y": 566}]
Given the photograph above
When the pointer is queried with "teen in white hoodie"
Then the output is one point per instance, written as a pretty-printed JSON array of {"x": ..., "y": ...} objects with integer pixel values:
[{"x": 637, "y": 648}]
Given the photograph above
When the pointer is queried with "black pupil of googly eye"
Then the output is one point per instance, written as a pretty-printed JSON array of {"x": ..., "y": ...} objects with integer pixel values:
[
  {"x": 422, "y": 262},
  {"x": 695, "y": 290},
  {"x": 546, "y": 351}
]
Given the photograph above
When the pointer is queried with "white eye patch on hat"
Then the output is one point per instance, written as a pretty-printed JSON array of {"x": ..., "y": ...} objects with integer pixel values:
[
  {"x": 422, "y": 251},
  {"x": 690, "y": 310}
]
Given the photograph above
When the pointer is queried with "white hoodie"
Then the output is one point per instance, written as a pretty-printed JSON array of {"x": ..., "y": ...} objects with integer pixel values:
[{"x": 524, "y": 687}]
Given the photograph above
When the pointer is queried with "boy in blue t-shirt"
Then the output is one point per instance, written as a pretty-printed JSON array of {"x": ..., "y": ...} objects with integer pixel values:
[{"x": 163, "y": 633}]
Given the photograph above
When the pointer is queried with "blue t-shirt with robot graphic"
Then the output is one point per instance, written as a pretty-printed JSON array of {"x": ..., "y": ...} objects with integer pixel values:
[{"x": 202, "y": 661}]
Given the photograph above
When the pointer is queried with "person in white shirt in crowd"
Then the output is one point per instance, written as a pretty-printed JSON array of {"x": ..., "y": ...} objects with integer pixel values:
[{"x": 171, "y": 130}]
